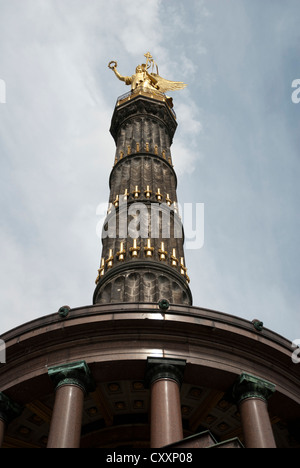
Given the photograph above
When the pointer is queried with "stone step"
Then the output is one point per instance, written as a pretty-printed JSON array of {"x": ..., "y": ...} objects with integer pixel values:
[
  {"x": 231, "y": 443},
  {"x": 202, "y": 440}
]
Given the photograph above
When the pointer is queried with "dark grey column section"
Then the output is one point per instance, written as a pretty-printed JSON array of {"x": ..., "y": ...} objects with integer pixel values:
[{"x": 142, "y": 255}]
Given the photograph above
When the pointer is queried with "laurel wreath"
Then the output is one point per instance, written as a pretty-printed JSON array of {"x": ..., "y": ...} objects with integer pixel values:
[{"x": 113, "y": 64}]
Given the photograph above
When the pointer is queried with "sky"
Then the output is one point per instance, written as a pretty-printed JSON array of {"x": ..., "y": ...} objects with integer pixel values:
[{"x": 236, "y": 149}]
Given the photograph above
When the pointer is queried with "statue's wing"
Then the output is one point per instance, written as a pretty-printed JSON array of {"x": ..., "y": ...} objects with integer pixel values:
[{"x": 166, "y": 85}]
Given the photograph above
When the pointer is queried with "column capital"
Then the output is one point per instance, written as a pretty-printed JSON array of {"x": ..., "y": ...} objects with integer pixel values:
[
  {"x": 8, "y": 409},
  {"x": 250, "y": 386},
  {"x": 75, "y": 373},
  {"x": 164, "y": 368}
]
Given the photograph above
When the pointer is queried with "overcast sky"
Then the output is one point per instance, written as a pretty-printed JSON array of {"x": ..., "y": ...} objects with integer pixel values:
[{"x": 236, "y": 148}]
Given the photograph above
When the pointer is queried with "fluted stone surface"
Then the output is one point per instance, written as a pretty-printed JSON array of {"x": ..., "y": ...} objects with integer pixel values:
[{"x": 142, "y": 256}]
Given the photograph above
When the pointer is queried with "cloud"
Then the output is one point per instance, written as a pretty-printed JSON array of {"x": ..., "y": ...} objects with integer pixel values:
[
  {"x": 235, "y": 149},
  {"x": 56, "y": 149}
]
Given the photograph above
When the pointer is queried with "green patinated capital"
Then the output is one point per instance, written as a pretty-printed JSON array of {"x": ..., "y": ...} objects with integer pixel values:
[
  {"x": 164, "y": 368},
  {"x": 250, "y": 386},
  {"x": 8, "y": 409},
  {"x": 75, "y": 373}
]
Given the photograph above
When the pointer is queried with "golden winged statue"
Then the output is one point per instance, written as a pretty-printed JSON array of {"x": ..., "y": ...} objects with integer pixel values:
[{"x": 147, "y": 80}]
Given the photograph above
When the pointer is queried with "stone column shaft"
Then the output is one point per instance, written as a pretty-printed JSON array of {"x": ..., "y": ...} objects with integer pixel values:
[
  {"x": 66, "y": 420},
  {"x": 251, "y": 394},
  {"x": 164, "y": 378},
  {"x": 166, "y": 421},
  {"x": 256, "y": 424},
  {"x": 72, "y": 382}
]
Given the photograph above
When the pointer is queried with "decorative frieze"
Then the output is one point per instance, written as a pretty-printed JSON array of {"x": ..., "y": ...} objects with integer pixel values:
[
  {"x": 153, "y": 249},
  {"x": 156, "y": 196}
]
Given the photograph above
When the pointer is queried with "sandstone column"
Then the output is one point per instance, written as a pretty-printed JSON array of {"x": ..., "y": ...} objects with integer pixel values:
[
  {"x": 164, "y": 377},
  {"x": 251, "y": 394},
  {"x": 72, "y": 382}
]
